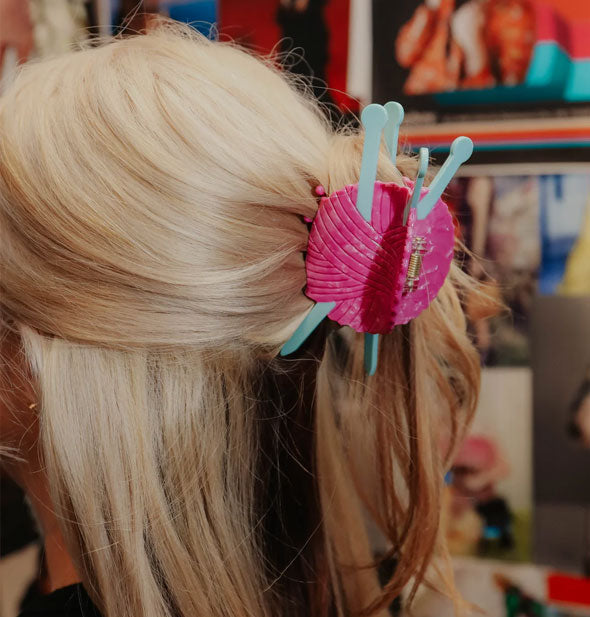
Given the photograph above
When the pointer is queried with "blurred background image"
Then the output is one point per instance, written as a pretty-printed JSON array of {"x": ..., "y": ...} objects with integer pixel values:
[{"x": 514, "y": 75}]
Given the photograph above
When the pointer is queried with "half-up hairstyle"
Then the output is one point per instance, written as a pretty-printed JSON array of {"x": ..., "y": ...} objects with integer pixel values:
[{"x": 152, "y": 197}]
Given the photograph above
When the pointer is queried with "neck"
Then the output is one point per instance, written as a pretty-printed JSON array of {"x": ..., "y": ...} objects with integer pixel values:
[{"x": 60, "y": 570}]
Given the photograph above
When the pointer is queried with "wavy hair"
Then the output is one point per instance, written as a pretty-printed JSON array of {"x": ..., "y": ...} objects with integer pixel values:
[{"x": 152, "y": 195}]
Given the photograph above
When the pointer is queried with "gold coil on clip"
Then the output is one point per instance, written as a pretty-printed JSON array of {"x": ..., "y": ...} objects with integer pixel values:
[{"x": 415, "y": 264}]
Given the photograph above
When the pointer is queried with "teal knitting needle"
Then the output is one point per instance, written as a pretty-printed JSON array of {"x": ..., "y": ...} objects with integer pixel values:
[
  {"x": 422, "y": 168},
  {"x": 395, "y": 116},
  {"x": 373, "y": 118},
  {"x": 307, "y": 326},
  {"x": 461, "y": 150}
]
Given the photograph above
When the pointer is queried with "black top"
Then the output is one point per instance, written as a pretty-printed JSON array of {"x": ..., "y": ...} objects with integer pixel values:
[{"x": 72, "y": 601}]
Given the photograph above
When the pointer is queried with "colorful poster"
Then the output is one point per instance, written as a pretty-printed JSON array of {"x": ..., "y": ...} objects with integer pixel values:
[{"x": 465, "y": 52}]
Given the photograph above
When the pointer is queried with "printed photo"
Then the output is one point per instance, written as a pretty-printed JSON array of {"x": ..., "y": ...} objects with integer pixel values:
[
  {"x": 524, "y": 235},
  {"x": 498, "y": 220},
  {"x": 465, "y": 44}
]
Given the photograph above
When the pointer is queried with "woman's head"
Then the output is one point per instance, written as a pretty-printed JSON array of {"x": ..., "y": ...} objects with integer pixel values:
[
  {"x": 152, "y": 195},
  {"x": 174, "y": 163}
]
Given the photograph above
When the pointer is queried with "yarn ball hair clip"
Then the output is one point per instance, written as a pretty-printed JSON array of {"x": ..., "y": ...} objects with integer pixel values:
[{"x": 379, "y": 252}]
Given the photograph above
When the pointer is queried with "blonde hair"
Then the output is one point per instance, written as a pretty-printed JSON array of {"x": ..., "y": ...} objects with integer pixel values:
[{"x": 152, "y": 192}]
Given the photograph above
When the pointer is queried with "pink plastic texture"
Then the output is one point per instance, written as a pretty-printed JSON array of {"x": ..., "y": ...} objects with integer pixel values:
[{"x": 363, "y": 267}]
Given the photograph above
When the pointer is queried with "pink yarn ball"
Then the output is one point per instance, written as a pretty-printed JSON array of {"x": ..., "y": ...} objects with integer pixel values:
[{"x": 363, "y": 266}]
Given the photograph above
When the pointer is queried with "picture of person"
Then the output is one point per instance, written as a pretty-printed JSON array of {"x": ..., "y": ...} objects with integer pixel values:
[{"x": 466, "y": 44}]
